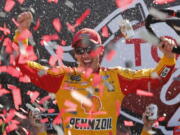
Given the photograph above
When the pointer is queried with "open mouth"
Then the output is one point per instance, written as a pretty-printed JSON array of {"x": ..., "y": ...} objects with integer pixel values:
[{"x": 87, "y": 61}]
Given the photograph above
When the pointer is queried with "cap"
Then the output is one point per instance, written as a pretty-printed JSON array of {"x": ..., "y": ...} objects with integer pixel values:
[{"x": 86, "y": 34}]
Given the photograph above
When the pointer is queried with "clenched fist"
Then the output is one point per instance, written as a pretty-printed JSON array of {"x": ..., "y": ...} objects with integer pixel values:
[{"x": 24, "y": 20}]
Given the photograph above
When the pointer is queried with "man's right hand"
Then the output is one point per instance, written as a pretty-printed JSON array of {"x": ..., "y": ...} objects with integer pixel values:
[{"x": 24, "y": 20}]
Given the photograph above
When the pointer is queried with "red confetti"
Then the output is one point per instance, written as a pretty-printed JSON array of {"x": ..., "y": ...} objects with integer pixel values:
[
  {"x": 7, "y": 42},
  {"x": 124, "y": 3},
  {"x": 44, "y": 99},
  {"x": 11, "y": 127},
  {"x": 128, "y": 123},
  {"x": 57, "y": 24},
  {"x": 96, "y": 52},
  {"x": 5, "y": 30},
  {"x": 63, "y": 42},
  {"x": 53, "y": 59},
  {"x": 44, "y": 120},
  {"x": 51, "y": 110},
  {"x": 10, "y": 116},
  {"x": 58, "y": 119},
  {"x": 16, "y": 96},
  {"x": 21, "y": 1},
  {"x": 161, "y": 118},
  {"x": 105, "y": 32},
  {"x": 9, "y": 5},
  {"x": 144, "y": 93},
  {"x": 37, "y": 25},
  {"x": 118, "y": 106},
  {"x": 110, "y": 55},
  {"x": 70, "y": 27},
  {"x": 10, "y": 70},
  {"x": 3, "y": 91},
  {"x": 83, "y": 17},
  {"x": 48, "y": 38},
  {"x": 33, "y": 95},
  {"x": 55, "y": 1},
  {"x": 160, "y": 2},
  {"x": 24, "y": 79}
]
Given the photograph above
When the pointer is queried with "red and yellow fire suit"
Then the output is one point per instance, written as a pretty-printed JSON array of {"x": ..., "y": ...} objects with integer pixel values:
[{"x": 100, "y": 117}]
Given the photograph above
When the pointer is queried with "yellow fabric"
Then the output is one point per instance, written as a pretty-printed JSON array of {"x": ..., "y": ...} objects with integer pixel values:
[
  {"x": 42, "y": 133},
  {"x": 144, "y": 132},
  {"x": 17, "y": 33}
]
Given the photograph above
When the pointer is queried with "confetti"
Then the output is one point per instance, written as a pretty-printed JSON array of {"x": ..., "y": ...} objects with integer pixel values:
[
  {"x": 15, "y": 22},
  {"x": 37, "y": 25},
  {"x": 81, "y": 98},
  {"x": 44, "y": 99},
  {"x": 118, "y": 107},
  {"x": 144, "y": 93},
  {"x": 51, "y": 110},
  {"x": 55, "y": 1},
  {"x": 63, "y": 42},
  {"x": 33, "y": 95},
  {"x": 161, "y": 118},
  {"x": 3, "y": 91},
  {"x": 16, "y": 96},
  {"x": 5, "y": 30},
  {"x": 161, "y": 2},
  {"x": 52, "y": 60},
  {"x": 83, "y": 17},
  {"x": 105, "y": 32},
  {"x": 45, "y": 120},
  {"x": 11, "y": 127},
  {"x": 70, "y": 27},
  {"x": 10, "y": 116},
  {"x": 21, "y": 1},
  {"x": 128, "y": 123},
  {"x": 25, "y": 34},
  {"x": 124, "y": 3},
  {"x": 110, "y": 55},
  {"x": 57, "y": 24},
  {"x": 24, "y": 79},
  {"x": 58, "y": 119},
  {"x": 96, "y": 79},
  {"x": 9, "y": 5}
]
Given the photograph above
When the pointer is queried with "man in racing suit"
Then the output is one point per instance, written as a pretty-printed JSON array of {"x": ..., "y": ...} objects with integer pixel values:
[{"x": 88, "y": 95}]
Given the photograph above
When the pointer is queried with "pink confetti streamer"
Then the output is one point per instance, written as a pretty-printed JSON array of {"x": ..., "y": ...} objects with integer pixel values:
[
  {"x": 10, "y": 116},
  {"x": 5, "y": 30},
  {"x": 70, "y": 27},
  {"x": 52, "y": 60},
  {"x": 57, "y": 24},
  {"x": 58, "y": 119},
  {"x": 105, "y": 32},
  {"x": 96, "y": 52},
  {"x": 7, "y": 43},
  {"x": 63, "y": 42},
  {"x": 144, "y": 93},
  {"x": 16, "y": 96},
  {"x": 51, "y": 110},
  {"x": 118, "y": 107},
  {"x": 11, "y": 70},
  {"x": 96, "y": 79},
  {"x": 83, "y": 17},
  {"x": 124, "y": 3},
  {"x": 37, "y": 25},
  {"x": 161, "y": 118},
  {"x": 11, "y": 127},
  {"x": 55, "y": 1},
  {"x": 24, "y": 79},
  {"x": 44, "y": 99},
  {"x": 128, "y": 123},
  {"x": 48, "y": 38},
  {"x": 9, "y": 5},
  {"x": 33, "y": 95},
  {"x": 3, "y": 91},
  {"x": 161, "y": 2},
  {"x": 21, "y": 1},
  {"x": 45, "y": 120},
  {"x": 15, "y": 22},
  {"x": 110, "y": 55}
]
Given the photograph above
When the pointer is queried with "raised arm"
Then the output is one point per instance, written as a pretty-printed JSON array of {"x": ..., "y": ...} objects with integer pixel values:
[
  {"x": 41, "y": 76},
  {"x": 149, "y": 79}
]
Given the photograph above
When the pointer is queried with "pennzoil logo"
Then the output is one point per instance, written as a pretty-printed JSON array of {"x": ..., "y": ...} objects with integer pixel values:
[
  {"x": 96, "y": 105},
  {"x": 91, "y": 124}
]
